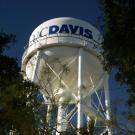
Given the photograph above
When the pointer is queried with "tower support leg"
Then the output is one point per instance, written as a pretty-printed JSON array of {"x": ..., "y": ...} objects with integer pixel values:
[
  {"x": 36, "y": 65},
  {"x": 80, "y": 86},
  {"x": 107, "y": 102}
]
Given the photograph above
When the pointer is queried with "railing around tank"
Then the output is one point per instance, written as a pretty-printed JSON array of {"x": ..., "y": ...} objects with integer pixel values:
[{"x": 96, "y": 45}]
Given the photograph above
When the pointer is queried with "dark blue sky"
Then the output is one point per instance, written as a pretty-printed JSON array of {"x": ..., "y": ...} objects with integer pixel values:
[{"x": 21, "y": 17}]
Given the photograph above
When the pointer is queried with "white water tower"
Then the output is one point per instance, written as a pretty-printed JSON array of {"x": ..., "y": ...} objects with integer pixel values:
[{"x": 62, "y": 57}]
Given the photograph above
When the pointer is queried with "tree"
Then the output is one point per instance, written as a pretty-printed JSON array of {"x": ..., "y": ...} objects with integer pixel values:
[
  {"x": 18, "y": 99},
  {"x": 118, "y": 47},
  {"x": 21, "y": 111},
  {"x": 119, "y": 41},
  {"x": 5, "y": 40}
]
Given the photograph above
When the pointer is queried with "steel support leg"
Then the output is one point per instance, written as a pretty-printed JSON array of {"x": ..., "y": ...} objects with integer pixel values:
[{"x": 80, "y": 86}]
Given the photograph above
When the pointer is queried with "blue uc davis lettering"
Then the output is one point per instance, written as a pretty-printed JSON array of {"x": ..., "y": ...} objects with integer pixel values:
[{"x": 68, "y": 28}]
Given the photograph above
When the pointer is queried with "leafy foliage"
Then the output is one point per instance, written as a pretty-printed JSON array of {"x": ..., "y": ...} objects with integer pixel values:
[
  {"x": 5, "y": 39},
  {"x": 119, "y": 41},
  {"x": 18, "y": 101},
  {"x": 16, "y": 109},
  {"x": 8, "y": 70}
]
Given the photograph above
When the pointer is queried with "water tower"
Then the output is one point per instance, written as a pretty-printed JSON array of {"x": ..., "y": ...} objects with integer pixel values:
[{"x": 62, "y": 57}]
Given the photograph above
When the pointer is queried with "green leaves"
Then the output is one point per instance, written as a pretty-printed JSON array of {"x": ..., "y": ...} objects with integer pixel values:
[
  {"x": 119, "y": 40},
  {"x": 17, "y": 97},
  {"x": 5, "y": 39}
]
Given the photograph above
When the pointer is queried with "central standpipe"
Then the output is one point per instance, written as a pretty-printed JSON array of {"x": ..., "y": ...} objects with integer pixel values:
[
  {"x": 61, "y": 120},
  {"x": 80, "y": 87}
]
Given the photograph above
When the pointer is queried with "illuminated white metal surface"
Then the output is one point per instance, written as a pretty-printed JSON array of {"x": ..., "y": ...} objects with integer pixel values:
[
  {"x": 80, "y": 88},
  {"x": 107, "y": 101},
  {"x": 73, "y": 80}
]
